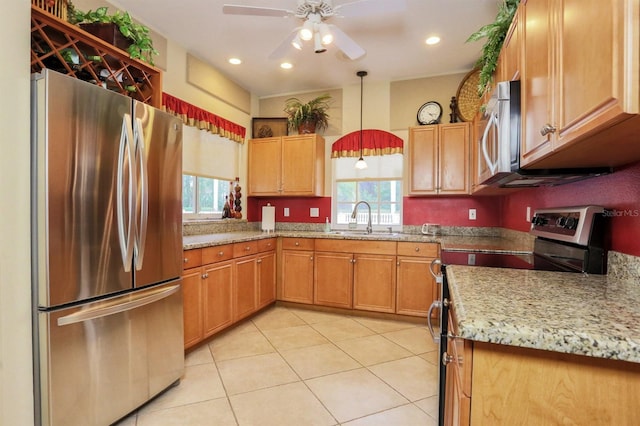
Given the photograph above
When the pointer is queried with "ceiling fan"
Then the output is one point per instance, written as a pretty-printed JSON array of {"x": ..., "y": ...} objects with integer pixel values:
[{"x": 313, "y": 14}]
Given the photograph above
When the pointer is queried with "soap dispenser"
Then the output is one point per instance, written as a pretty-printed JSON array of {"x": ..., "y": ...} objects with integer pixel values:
[{"x": 327, "y": 225}]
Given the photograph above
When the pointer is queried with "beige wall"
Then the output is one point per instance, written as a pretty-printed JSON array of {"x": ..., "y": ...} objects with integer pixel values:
[
  {"x": 16, "y": 382},
  {"x": 408, "y": 95}
]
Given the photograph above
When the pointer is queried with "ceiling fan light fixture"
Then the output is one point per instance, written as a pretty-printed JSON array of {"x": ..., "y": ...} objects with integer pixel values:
[
  {"x": 306, "y": 32},
  {"x": 318, "y": 46},
  {"x": 325, "y": 33},
  {"x": 297, "y": 42}
]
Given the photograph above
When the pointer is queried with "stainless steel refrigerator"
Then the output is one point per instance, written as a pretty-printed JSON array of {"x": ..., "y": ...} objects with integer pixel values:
[{"x": 106, "y": 251}]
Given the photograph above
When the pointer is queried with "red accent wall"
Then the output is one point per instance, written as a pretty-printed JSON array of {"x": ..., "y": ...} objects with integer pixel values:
[
  {"x": 619, "y": 191},
  {"x": 452, "y": 211},
  {"x": 298, "y": 209}
]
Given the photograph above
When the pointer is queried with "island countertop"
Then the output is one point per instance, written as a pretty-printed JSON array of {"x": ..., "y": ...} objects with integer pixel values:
[{"x": 595, "y": 315}]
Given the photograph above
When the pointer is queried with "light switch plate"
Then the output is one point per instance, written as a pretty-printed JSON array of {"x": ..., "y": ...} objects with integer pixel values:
[
  {"x": 472, "y": 214},
  {"x": 314, "y": 212},
  {"x": 286, "y": 212}
]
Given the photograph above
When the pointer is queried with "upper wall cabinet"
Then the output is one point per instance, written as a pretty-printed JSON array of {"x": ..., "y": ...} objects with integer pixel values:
[
  {"x": 439, "y": 162},
  {"x": 580, "y": 86},
  {"x": 286, "y": 166}
]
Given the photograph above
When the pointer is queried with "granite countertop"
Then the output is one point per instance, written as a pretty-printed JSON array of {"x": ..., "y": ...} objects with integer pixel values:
[
  {"x": 595, "y": 315},
  {"x": 447, "y": 242}
]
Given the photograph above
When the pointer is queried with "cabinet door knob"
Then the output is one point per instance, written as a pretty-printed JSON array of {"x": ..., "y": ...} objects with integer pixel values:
[
  {"x": 221, "y": 253},
  {"x": 417, "y": 249},
  {"x": 186, "y": 260},
  {"x": 248, "y": 248},
  {"x": 259, "y": 261},
  {"x": 205, "y": 275},
  {"x": 297, "y": 244},
  {"x": 546, "y": 129},
  {"x": 446, "y": 358},
  {"x": 310, "y": 257}
]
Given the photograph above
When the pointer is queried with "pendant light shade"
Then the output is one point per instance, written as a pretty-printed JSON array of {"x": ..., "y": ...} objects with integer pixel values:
[{"x": 361, "y": 164}]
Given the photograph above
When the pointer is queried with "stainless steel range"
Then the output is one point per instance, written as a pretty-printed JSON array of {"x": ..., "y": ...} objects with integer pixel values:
[{"x": 568, "y": 239}]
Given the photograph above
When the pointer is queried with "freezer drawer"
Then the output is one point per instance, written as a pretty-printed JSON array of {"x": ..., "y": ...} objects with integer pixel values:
[{"x": 102, "y": 360}]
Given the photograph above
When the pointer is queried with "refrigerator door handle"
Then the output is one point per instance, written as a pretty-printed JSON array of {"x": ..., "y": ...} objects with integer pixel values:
[
  {"x": 112, "y": 307},
  {"x": 143, "y": 184},
  {"x": 435, "y": 305},
  {"x": 125, "y": 154}
]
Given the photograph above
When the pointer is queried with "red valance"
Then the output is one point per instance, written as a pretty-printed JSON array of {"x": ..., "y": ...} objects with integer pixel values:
[
  {"x": 374, "y": 142},
  {"x": 191, "y": 115}
]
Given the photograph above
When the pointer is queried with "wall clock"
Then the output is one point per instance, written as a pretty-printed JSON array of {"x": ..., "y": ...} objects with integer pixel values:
[{"x": 430, "y": 113}]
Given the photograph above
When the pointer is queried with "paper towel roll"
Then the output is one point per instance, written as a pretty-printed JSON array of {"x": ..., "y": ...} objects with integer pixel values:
[{"x": 268, "y": 218}]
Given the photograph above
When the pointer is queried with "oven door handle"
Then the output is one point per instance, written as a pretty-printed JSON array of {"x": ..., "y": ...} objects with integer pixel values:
[
  {"x": 435, "y": 336},
  {"x": 436, "y": 275}
]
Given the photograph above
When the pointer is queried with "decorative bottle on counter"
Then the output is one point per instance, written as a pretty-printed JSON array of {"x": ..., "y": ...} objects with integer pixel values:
[{"x": 238, "y": 200}]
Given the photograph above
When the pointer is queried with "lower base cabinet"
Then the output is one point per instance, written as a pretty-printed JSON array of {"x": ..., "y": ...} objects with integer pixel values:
[
  {"x": 374, "y": 283},
  {"x": 224, "y": 284},
  {"x": 416, "y": 286},
  {"x": 296, "y": 263}
]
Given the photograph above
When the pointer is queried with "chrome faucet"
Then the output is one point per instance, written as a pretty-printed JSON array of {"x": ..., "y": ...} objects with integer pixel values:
[{"x": 355, "y": 209}]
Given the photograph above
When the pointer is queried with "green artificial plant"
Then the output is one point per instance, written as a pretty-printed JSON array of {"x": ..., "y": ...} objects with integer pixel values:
[
  {"x": 495, "y": 34},
  {"x": 315, "y": 112},
  {"x": 141, "y": 43}
]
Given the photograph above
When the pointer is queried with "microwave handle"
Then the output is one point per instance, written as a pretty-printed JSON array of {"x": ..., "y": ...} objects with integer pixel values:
[{"x": 493, "y": 121}]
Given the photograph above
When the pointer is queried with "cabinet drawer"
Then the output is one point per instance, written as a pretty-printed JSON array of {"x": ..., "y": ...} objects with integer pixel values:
[
  {"x": 217, "y": 253},
  {"x": 356, "y": 246},
  {"x": 298, "y": 243},
  {"x": 245, "y": 248},
  {"x": 192, "y": 258},
  {"x": 266, "y": 245},
  {"x": 406, "y": 248}
]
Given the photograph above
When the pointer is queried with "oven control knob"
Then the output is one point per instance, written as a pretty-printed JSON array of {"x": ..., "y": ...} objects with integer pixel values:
[
  {"x": 561, "y": 221},
  {"x": 571, "y": 223},
  {"x": 539, "y": 220}
]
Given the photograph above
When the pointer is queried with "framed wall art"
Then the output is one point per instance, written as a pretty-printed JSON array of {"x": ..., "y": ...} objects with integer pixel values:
[{"x": 263, "y": 127}]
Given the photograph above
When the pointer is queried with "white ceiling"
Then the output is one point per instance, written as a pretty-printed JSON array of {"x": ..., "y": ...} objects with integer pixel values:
[{"x": 394, "y": 43}]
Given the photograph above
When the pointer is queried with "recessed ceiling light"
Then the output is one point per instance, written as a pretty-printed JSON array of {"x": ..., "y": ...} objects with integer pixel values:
[
  {"x": 433, "y": 40},
  {"x": 235, "y": 61},
  {"x": 286, "y": 65}
]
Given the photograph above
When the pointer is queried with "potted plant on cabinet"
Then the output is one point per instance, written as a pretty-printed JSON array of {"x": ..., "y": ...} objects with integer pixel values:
[
  {"x": 114, "y": 27},
  {"x": 308, "y": 117}
]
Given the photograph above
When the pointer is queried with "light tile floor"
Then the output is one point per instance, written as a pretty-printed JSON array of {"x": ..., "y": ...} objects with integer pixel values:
[{"x": 290, "y": 366}]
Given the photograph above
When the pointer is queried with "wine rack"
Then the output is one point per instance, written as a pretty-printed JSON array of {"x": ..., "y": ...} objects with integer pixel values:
[{"x": 66, "y": 48}]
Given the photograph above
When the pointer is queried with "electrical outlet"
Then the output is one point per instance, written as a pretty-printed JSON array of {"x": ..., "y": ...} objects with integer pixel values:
[
  {"x": 314, "y": 212},
  {"x": 528, "y": 214},
  {"x": 286, "y": 212},
  {"x": 472, "y": 214},
  {"x": 471, "y": 259}
]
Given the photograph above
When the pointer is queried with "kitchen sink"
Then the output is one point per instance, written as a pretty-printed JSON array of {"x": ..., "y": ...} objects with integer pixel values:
[{"x": 365, "y": 234}]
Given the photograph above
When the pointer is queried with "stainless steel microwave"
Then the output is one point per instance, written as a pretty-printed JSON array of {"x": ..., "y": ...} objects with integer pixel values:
[{"x": 499, "y": 144}]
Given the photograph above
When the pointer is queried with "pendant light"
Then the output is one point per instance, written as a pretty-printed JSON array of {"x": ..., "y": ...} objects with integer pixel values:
[{"x": 361, "y": 164}]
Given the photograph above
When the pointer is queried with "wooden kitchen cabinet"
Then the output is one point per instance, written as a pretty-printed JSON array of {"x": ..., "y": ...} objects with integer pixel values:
[
  {"x": 296, "y": 263},
  {"x": 192, "y": 306},
  {"x": 510, "y": 60},
  {"x": 458, "y": 359},
  {"x": 266, "y": 272},
  {"x": 286, "y": 166},
  {"x": 416, "y": 287},
  {"x": 439, "y": 160},
  {"x": 225, "y": 284},
  {"x": 333, "y": 279},
  {"x": 355, "y": 274},
  {"x": 579, "y": 83},
  {"x": 217, "y": 297}
]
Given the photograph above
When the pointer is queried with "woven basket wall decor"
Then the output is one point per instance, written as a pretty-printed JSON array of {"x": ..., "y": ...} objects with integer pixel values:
[
  {"x": 467, "y": 96},
  {"x": 55, "y": 7}
]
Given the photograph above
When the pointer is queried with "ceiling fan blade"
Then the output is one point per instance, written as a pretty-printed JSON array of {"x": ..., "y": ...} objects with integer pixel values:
[
  {"x": 370, "y": 7},
  {"x": 236, "y": 9},
  {"x": 284, "y": 47},
  {"x": 346, "y": 44}
]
